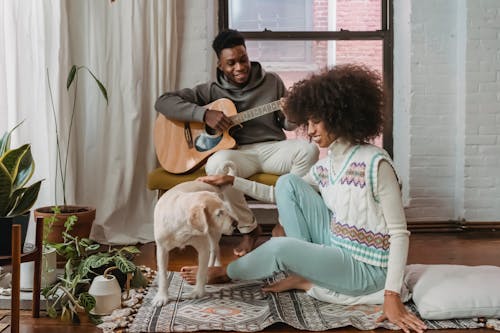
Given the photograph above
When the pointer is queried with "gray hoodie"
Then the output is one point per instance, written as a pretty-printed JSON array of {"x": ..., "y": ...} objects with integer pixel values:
[{"x": 188, "y": 104}]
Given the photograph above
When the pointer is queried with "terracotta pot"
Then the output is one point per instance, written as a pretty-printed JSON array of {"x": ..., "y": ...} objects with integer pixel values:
[{"x": 82, "y": 227}]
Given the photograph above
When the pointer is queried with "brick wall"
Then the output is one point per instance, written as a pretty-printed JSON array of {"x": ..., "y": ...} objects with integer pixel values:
[
  {"x": 450, "y": 149},
  {"x": 359, "y": 15},
  {"x": 432, "y": 119},
  {"x": 482, "y": 112}
]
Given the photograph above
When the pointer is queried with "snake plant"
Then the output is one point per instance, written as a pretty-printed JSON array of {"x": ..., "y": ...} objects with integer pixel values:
[{"x": 16, "y": 168}]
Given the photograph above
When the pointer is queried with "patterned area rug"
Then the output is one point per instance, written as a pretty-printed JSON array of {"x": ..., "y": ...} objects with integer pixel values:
[{"x": 244, "y": 307}]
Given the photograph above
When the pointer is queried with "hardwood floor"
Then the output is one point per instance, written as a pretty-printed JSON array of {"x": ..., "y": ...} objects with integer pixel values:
[{"x": 467, "y": 248}]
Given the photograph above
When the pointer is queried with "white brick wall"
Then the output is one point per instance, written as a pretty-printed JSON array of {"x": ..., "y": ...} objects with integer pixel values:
[
  {"x": 452, "y": 157},
  {"x": 198, "y": 20},
  {"x": 447, "y": 101},
  {"x": 482, "y": 115},
  {"x": 432, "y": 116}
]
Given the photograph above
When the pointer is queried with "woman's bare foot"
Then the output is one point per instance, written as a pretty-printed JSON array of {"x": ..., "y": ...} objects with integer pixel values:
[
  {"x": 215, "y": 274},
  {"x": 278, "y": 231},
  {"x": 247, "y": 243},
  {"x": 288, "y": 283}
]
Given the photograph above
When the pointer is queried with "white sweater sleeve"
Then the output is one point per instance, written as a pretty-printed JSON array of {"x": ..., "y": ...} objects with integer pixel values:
[
  {"x": 263, "y": 192},
  {"x": 258, "y": 191},
  {"x": 392, "y": 207}
]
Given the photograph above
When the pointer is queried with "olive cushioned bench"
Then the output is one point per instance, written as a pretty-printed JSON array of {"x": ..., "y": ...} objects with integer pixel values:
[{"x": 161, "y": 180}]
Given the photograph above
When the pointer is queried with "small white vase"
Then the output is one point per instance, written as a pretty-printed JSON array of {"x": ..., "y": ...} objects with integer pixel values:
[
  {"x": 49, "y": 274},
  {"x": 107, "y": 293}
]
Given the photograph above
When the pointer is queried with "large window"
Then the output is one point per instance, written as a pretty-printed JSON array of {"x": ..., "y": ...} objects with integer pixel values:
[{"x": 297, "y": 37}]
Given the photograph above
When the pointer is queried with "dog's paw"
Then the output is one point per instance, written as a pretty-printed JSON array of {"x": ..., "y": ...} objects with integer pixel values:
[
  {"x": 160, "y": 300},
  {"x": 196, "y": 294}
]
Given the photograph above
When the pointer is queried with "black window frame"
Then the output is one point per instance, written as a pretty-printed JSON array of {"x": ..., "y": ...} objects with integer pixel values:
[{"x": 385, "y": 34}]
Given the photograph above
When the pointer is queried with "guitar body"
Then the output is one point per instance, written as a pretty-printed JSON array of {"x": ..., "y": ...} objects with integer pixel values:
[{"x": 171, "y": 140}]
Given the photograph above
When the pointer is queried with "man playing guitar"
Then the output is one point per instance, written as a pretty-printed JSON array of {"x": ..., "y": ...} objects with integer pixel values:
[{"x": 261, "y": 142}]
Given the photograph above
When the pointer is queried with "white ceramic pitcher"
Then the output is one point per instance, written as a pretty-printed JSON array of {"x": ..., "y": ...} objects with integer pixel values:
[{"x": 107, "y": 293}]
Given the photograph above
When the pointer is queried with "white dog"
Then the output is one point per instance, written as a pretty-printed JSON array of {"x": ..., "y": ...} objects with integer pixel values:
[{"x": 191, "y": 213}]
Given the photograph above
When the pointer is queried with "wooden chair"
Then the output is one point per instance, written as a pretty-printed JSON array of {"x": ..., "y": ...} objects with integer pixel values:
[{"x": 15, "y": 259}]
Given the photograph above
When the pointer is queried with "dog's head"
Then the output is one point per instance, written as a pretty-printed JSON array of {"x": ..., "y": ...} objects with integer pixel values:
[{"x": 210, "y": 212}]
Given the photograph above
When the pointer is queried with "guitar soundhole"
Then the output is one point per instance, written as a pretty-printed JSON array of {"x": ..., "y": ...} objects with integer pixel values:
[
  {"x": 206, "y": 141},
  {"x": 210, "y": 130}
]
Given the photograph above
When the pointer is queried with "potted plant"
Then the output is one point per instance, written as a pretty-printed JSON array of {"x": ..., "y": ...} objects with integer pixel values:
[
  {"x": 69, "y": 296},
  {"x": 16, "y": 199},
  {"x": 84, "y": 214}
]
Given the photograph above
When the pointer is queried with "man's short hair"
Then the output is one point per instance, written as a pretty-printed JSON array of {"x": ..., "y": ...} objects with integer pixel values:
[{"x": 227, "y": 39}]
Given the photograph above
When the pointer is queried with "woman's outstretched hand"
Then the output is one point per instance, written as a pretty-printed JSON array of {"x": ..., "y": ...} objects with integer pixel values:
[
  {"x": 395, "y": 311},
  {"x": 217, "y": 180}
]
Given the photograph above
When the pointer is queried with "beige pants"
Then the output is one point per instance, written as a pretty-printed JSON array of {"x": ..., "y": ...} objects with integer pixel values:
[{"x": 276, "y": 157}]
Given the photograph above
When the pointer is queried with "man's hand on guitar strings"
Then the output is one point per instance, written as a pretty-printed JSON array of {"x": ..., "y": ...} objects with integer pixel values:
[{"x": 217, "y": 120}]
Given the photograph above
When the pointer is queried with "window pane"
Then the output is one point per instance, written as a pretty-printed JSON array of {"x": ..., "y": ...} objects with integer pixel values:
[
  {"x": 294, "y": 60},
  {"x": 305, "y": 15}
]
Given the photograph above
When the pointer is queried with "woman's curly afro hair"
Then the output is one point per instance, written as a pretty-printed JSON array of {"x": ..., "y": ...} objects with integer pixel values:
[{"x": 349, "y": 99}]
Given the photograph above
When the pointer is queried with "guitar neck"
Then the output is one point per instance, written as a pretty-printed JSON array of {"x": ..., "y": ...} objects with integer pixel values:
[{"x": 256, "y": 112}]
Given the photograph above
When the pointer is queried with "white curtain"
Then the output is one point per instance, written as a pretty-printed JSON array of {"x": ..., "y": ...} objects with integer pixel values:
[{"x": 130, "y": 45}]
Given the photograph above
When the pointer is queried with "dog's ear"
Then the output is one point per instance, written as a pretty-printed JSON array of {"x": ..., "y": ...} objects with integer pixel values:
[{"x": 198, "y": 219}]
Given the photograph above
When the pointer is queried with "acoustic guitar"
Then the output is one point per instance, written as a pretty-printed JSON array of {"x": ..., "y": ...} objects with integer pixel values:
[{"x": 184, "y": 146}]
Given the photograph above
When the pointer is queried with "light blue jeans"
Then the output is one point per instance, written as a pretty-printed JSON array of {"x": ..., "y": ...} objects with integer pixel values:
[{"x": 307, "y": 250}]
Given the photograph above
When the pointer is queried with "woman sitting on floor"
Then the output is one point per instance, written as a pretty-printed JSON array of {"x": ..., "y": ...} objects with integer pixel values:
[{"x": 352, "y": 237}]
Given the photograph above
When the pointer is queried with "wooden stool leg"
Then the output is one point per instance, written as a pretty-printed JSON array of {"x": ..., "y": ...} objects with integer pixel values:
[
  {"x": 37, "y": 274},
  {"x": 16, "y": 277}
]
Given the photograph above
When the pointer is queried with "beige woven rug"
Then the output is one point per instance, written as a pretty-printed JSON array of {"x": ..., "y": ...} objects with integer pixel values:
[{"x": 244, "y": 307}]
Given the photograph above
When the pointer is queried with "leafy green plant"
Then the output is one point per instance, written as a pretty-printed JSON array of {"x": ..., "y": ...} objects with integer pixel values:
[
  {"x": 16, "y": 169},
  {"x": 70, "y": 293},
  {"x": 60, "y": 168}
]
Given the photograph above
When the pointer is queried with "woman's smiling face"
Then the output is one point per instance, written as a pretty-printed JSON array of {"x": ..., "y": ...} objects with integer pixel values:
[{"x": 318, "y": 133}]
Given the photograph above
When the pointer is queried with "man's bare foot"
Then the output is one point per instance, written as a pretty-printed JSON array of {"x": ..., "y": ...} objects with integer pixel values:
[
  {"x": 247, "y": 243},
  {"x": 215, "y": 274},
  {"x": 278, "y": 231},
  {"x": 288, "y": 283}
]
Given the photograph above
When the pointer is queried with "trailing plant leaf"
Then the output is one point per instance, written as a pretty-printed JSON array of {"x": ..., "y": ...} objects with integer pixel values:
[
  {"x": 124, "y": 265},
  {"x": 130, "y": 249},
  {"x": 92, "y": 247},
  {"x": 52, "y": 312},
  {"x": 101, "y": 261},
  {"x": 87, "y": 301},
  {"x": 70, "y": 222}
]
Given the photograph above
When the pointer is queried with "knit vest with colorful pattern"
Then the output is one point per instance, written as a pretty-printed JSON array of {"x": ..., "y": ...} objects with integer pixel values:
[{"x": 357, "y": 222}]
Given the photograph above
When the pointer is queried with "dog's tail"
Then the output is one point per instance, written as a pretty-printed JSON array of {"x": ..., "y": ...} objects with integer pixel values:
[{"x": 229, "y": 168}]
